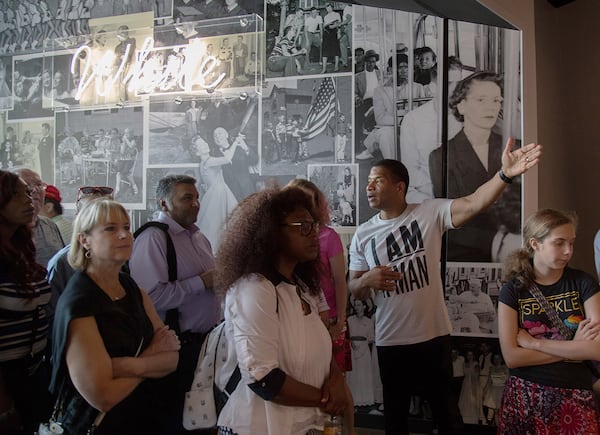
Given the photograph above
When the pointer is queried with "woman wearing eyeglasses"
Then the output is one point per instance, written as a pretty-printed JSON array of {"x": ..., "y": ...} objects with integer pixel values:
[
  {"x": 268, "y": 266},
  {"x": 332, "y": 282},
  {"x": 24, "y": 294},
  {"x": 108, "y": 342},
  {"x": 333, "y": 272}
]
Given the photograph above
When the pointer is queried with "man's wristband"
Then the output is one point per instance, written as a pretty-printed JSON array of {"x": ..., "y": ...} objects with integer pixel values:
[{"x": 504, "y": 177}]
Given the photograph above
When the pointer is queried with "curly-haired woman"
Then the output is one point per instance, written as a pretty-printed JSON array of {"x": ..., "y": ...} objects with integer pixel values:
[
  {"x": 24, "y": 294},
  {"x": 268, "y": 264},
  {"x": 332, "y": 281},
  {"x": 333, "y": 272}
]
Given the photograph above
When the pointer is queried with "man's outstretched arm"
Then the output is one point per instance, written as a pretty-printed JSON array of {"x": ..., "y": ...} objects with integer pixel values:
[{"x": 514, "y": 163}]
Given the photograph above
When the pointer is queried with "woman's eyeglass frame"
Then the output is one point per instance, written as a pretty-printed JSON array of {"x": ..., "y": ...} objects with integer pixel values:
[{"x": 306, "y": 227}]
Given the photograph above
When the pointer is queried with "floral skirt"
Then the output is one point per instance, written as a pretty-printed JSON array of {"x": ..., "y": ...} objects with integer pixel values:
[{"x": 531, "y": 408}]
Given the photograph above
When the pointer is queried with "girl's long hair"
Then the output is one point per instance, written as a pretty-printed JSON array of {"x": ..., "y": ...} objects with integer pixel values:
[{"x": 519, "y": 265}]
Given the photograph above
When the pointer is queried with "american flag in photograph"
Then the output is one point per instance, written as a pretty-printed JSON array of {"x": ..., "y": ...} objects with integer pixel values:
[{"x": 321, "y": 111}]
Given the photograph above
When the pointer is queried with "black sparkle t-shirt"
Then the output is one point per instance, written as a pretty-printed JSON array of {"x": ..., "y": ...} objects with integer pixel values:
[{"x": 567, "y": 296}]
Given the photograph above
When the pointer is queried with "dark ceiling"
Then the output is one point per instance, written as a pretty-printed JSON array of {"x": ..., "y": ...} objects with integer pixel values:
[{"x": 460, "y": 10}]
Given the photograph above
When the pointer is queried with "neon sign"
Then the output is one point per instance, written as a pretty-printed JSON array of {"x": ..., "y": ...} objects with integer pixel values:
[{"x": 151, "y": 71}]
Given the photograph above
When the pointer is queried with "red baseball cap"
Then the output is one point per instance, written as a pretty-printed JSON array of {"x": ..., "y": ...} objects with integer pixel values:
[{"x": 53, "y": 193}]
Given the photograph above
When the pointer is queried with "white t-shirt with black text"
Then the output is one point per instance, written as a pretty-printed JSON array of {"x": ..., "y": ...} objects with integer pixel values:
[{"x": 411, "y": 244}]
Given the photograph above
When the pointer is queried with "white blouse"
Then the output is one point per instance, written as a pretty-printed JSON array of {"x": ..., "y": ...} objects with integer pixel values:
[{"x": 270, "y": 330}]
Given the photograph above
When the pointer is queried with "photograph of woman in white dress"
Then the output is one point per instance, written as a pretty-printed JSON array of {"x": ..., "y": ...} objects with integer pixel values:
[
  {"x": 469, "y": 401},
  {"x": 364, "y": 380},
  {"x": 218, "y": 200}
]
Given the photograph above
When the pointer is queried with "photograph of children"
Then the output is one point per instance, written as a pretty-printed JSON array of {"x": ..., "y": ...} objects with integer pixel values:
[
  {"x": 101, "y": 148},
  {"x": 304, "y": 40},
  {"x": 27, "y": 88},
  {"x": 6, "y": 100},
  {"x": 305, "y": 121},
  {"x": 338, "y": 183},
  {"x": 471, "y": 293},
  {"x": 29, "y": 143}
]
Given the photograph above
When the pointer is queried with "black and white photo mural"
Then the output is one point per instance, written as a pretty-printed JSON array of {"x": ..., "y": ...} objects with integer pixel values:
[
  {"x": 104, "y": 147},
  {"x": 246, "y": 95},
  {"x": 407, "y": 124},
  {"x": 472, "y": 298},
  {"x": 306, "y": 121},
  {"x": 338, "y": 184},
  {"x": 27, "y": 88},
  {"x": 305, "y": 39},
  {"x": 398, "y": 114},
  {"x": 29, "y": 143},
  {"x": 6, "y": 93}
]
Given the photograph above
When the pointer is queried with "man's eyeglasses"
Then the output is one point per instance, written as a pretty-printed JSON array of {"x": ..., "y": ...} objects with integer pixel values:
[
  {"x": 38, "y": 187},
  {"x": 306, "y": 227},
  {"x": 94, "y": 190}
]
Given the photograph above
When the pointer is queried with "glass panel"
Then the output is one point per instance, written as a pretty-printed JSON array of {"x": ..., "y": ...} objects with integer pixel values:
[{"x": 202, "y": 59}]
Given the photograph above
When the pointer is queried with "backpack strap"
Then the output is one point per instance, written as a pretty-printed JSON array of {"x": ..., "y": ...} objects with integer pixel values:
[
  {"x": 551, "y": 312},
  {"x": 171, "y": 254},
  {"x": 172, "y": 315}
]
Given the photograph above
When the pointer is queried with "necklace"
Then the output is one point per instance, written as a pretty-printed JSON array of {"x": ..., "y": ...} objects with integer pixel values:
[
  {"x": 109, "y": 288},
  {"x": 116, "y": 298},
  {"x": 116, "y": 289}
]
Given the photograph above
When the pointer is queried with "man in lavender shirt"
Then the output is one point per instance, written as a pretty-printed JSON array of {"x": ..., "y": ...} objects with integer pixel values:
[{"x": 191, "y": 293}]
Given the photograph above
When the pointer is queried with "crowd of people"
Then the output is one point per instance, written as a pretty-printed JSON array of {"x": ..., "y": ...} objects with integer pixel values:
[{"x": 116, "y": 348}]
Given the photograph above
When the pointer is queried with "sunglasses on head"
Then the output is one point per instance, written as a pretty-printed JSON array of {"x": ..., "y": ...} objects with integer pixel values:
[{"x": 94, "y": 190}]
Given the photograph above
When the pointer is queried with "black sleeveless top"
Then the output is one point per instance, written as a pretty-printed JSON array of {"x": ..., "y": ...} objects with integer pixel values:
[{"x": 124, "y": 328}]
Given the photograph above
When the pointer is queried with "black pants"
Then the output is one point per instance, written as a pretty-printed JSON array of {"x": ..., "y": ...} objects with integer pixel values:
[{"x": 425, "y": 369}]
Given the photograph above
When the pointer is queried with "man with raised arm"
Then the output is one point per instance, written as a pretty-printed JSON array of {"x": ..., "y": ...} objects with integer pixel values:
[{"x": 395, "y": 257}]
